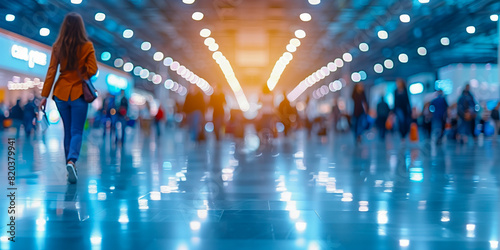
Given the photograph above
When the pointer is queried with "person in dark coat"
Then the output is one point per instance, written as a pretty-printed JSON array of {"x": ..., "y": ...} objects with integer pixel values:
[
  {"x": 383, "y": 111},
  {"x": 194, "y": 108},
  {"x": 402, "y": 108},
  {"x": 218, "y": 102},
  {"x": 439, "y": 110},
  {"x": 17, "y": 115},
  {"x": 361, "y": 107},
  {"x": 122, "y": 105},
  {"x": 466, "y": 110},
  {"x": 287, "y": 113},
  {"x": 30, "y": 110}
]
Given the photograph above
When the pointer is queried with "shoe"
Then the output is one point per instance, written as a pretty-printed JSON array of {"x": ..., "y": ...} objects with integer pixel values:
[{"x": 72, "y": 173}]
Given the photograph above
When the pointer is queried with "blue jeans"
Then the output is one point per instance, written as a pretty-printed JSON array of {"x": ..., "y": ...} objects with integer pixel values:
[
  {"x": 73, "y": 114},
  {"x": 194, "y": 123},
  {"x": 404, "y": 122},
  {"x": 358, "y": 124}
]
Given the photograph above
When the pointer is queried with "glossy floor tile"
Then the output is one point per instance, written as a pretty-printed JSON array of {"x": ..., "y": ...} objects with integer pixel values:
[{"x": 296, "y": 193}]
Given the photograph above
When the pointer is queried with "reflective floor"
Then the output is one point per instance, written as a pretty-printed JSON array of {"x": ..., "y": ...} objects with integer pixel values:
[{"x": 296, "y": 193}]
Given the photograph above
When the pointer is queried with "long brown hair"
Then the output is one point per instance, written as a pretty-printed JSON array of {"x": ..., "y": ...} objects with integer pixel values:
[{"x": 71, "y": 36}]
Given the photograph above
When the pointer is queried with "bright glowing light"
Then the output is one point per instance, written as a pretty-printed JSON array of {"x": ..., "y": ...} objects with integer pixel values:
[
  {"x": 355, "y": 77},
  {"x": 494, "y": 244},
  {"x": 363, "y": 75},
  {"x": 382, "y": 217},
  {"x": 471, "y": 29},
  {"x": 168, "y": 61},
  {"x": 416, "y": 88},
  {"x": 305, "y": 17},
  {"x": 314, "y": 2},
  {"x": 169, "y": 84},
  {"x": 494, "y": 18},
  {"x": 445, "y": 41},
  {"x": 422, "y": 51},
  {"x": 332, "y": 66},
  {"x": 144, "y": 73},
  {"x": 364, "y": 47},
  {"x": 128, "y": 33},
  {"x": 404, "y": 243},
  {"x": 339, "y": 63},
  {"x": 44, "y": 32},
  {"x": 205, "y": 32},
  {"x": 195, "y": 225},
  {"x": 188, "y": 1},
  {"x": 291, "y": 48},
  {"x": 300, "y": 34},
  {"x": 158, "y": 56},
  {"x": 95, "y": 240},
  {"x": 389, "y": 64},
  {"x": 137, "y": 70},
  {"x": 99, "y": 16},
  {"x": 347, "y": 57},
  {"x": 405, "y": 18},
  {"x": 213, "y": 47},
  {"x": 156, "y": 80},
  {"x": 403, "y": 58},
  {"x": 470, "y": 227},
  {"x": 383, "y": 34},
  {"x": 423, "y": 1},
  {"x": 76, "y": 1},
  {"x": 118, "y": 62},
  {"x": 295, "y": 42},
  {"x": 105, "y": 56},
  {"x": 378, "y": 68},
  {"x": 127, "y": 67},
  {"x": 197, "y": 16},
  {"x": 209, "y": 41},
  {"x": 300, "y": 226},
  {"x": 146, "y": 46}
]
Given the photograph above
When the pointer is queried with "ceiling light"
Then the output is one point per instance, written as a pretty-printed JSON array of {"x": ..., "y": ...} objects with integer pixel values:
[
  {"x": 422, "y": 51},
  {"x": 76, "y": 1},
  {"x": 188, "y": 1},
  {"x": 445, "y": 41},
  {"x": 295, "y": 42},
  {"x": 314, "y": 2},
  {"x": 175, "y": 66},
  {"x": 137, "y": 70},
  {"x": 205, "y": 33},
  {"x": 339, "y": 63},
  {"x": 44, "y": 32},
  {"x": 355, "y": 77},
  {"x": 423, "y": 1},
  {"x": 306, "y": 17},
  {"x": 364, "y": 47},
  {"x": 168, "y": 61},
  {"x": 291, "y": 48},
  {"x": 471, "y": 29},
  {"x": 158, "y": 56},
  {"x": 378, "y": 68},
  {"x": 146, "y": 46},
  {"x": 10, "y": 17},
  {"x": 197, "y": 16},
  {"x": 99, "y": 16},
  {"x": 389, "y": 64},
  {"x": 144, "y": 73},
  {"x": 363, "y": 75},
  {"x": 405, "y": 18},
  {"x": 382, "y": 34},
  {"x": 128, "y": 33},
  {"x": 494, "y": 18},
  {"x": 209, "y": 41},
  {"x": 403, "y": 58},
  {"x": 105, "y": 56},
  {"x": 127, "y": 67},
  {"x": 213, "y": 47},
  {"x": 300, "y": 34},
  {"x": 347, "y": 57},
  {"x": 118, "y": 62},
  {"x": 332, "y": 66}
]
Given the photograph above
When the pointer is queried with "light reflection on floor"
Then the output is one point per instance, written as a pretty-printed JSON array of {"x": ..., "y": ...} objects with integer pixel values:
[{"x": 297, "y": 193}]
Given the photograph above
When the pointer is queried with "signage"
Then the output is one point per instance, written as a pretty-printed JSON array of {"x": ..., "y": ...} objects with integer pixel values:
[{"x": 31, "y": 56}]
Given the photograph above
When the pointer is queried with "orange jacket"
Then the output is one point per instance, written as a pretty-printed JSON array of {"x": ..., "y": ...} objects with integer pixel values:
[{"x": 69, "y": 84}]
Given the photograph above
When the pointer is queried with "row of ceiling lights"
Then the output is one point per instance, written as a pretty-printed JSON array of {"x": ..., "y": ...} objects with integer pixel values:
[
  {"x": 364, "y": 47},
  {"x": 284, "y": 60}
]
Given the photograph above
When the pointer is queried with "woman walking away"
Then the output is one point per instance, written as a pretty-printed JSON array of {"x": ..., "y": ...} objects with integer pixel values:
[
  {"x": 359, "y": 121},
  {"x": 74, "y": 54},
  {"x": 402, "y": 108}
]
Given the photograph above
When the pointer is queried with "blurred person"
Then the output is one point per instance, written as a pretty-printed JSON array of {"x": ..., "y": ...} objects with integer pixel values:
[
  {"x": 439, "y": 110},
  {"x": 160, "y": 115},
  {"x": 311, "y": 114},
  {"x": 267, "y": 112},
  {"x": 30, "y": 110},
  {"x": 361, "y": 108},
  {"x": 145, "y": 119},
  {"x": 122, "y": 104},
  {"x": 218, "y": 102},
  {"x": 495, "y": 116},
  {"x": 16, "y": 114},
  {"x": 109, "y": 115},
  {"x": 426, "y": 121},
  {"x": 402, "y": 108},
  {"x": 194, "y": 108},
  {"x": 287, "y": 113},
  {"x": 466, "y": 110},
  {"x": 383, "y": 112},
  {"x": 75, "y": 56},
  {"x": 336, "y": 114}
]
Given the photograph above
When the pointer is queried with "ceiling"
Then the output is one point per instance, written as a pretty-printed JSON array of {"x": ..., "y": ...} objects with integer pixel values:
[{"x": 253, "y": 34}]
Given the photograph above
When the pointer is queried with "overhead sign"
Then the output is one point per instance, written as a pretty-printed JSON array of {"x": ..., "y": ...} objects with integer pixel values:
[{"x": 31, "y": 56}]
